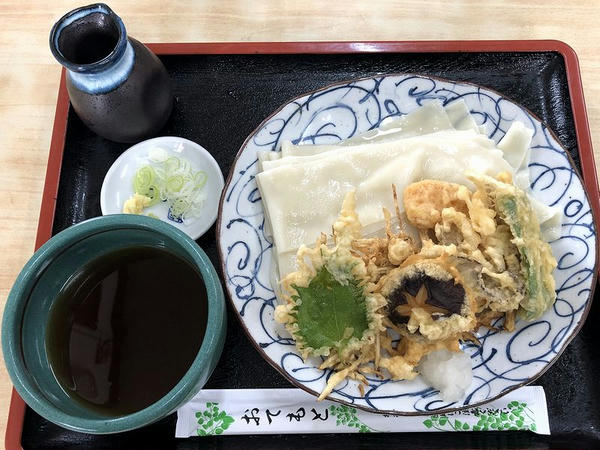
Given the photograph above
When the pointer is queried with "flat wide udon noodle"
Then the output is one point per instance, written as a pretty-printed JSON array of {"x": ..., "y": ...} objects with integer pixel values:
[
  {"x": 302, "y": 200},
  {"x": 305, "y": 191},
  {"x": 430, "y": 118}
]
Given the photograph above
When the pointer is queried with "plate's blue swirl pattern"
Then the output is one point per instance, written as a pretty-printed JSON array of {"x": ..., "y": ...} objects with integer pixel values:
[{"x": 504, "y": 360}]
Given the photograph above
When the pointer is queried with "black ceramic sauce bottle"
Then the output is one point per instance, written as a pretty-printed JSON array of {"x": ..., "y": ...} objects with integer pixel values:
[{"x": 117, "y": 86}]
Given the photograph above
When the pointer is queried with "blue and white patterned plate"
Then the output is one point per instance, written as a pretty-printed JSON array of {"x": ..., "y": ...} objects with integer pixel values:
[{"x": 504, "y": 361}]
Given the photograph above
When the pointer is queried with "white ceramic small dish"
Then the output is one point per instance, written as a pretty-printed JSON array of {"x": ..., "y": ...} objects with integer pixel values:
[{"x": 118, "y": 182}]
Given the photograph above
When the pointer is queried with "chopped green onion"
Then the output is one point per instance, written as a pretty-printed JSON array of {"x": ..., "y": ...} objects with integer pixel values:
[
  {"x": 143, "y": 179},
  {"x": 172, "y": 164},
  {"x": 179, "y": 207},
  {"x": 154, "y": 195},
  {"x": 175, "y": 183},
  {"x": 172, "y": 180},
  {"x": 200, "y": 179}
]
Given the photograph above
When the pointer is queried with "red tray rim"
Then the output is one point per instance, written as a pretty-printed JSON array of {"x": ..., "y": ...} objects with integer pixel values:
[{"x": 16, "y": 414}]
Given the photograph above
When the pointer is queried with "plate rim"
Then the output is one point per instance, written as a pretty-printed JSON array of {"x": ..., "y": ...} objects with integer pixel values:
[{"x": 299, "y": 385}]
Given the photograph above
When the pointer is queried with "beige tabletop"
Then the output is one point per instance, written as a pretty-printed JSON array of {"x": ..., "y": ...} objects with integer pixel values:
[{"x": 29, "y": 76}]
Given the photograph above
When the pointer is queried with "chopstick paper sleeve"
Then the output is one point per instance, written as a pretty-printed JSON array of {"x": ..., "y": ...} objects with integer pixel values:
[{"x": 276, "y": 411}]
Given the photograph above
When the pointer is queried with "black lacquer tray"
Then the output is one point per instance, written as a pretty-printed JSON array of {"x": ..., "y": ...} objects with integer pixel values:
[{"x": 223, "y": 91}]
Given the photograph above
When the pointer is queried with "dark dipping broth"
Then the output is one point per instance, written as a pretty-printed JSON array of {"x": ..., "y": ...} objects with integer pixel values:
[{"x": 126, "y": 328}]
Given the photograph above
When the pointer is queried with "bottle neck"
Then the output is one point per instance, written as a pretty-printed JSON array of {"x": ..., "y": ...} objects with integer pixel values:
[
  {"x": 107, "y": 79},
  {"x": 91, "y": 43}
]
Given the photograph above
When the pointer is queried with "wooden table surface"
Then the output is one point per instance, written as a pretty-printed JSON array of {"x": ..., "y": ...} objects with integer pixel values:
[{"x": 29, "y": 76}]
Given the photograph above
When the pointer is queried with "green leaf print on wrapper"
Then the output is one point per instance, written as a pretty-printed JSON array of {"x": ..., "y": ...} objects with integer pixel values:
[
  {"x": 212, "y": 421},
  {"x": 346, "y": 416},
  {"x": 516, "y": 416}
]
